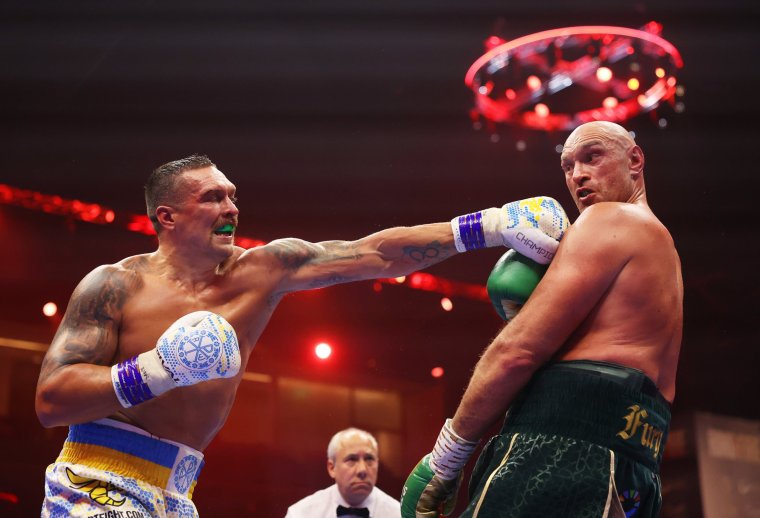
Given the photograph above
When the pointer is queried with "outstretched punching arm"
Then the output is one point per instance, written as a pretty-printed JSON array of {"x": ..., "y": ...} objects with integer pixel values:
[{"x": 532, "y": 226}]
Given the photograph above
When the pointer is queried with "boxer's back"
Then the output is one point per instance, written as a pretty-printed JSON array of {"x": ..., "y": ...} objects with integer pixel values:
[{"x": 638, "y": 322}]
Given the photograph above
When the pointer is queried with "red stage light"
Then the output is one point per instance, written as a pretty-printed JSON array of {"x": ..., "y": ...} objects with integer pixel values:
[
  {"x": 493, "y": 41},
  {"x": 570, "y": 60},
  {"x": 323, "y": 350},
  {"x": 9, "y": 497},
  {"x": 542, "y": 110},
  {"x": 436, "y": 372}
]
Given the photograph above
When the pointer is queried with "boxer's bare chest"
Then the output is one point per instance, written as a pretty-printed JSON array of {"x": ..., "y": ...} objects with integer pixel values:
[{"x": 158, "y": 301}]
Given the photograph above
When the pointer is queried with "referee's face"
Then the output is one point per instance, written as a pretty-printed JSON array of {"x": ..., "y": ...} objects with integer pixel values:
[{"x": 354, "y": 469}]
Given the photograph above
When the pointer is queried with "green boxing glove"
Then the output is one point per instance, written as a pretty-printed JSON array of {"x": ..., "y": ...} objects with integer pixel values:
[
  {"x": 427, "y": 495},
  {"x": 431, "y": 489},
  {"x": 512, "y": 280}
]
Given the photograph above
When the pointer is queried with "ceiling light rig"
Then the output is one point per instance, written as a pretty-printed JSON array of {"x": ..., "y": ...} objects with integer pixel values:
[{"x": 558, "y": 79}]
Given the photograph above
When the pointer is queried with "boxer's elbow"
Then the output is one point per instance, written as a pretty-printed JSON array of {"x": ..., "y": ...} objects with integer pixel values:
[
  {"x": 49, "y": 413},
  {"x": 516, "y": 360}
]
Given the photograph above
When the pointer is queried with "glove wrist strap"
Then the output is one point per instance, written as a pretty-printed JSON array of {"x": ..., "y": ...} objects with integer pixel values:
[
  {"x": 476, "y": 230},
  {"x": 451, "y": 453},
  {"x": 129, "y": 384},
  {"x": 140, "y": 379}
]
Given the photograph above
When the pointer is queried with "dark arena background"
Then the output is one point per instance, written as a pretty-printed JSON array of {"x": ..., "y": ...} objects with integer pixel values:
[{"x": 336, "y": 119}]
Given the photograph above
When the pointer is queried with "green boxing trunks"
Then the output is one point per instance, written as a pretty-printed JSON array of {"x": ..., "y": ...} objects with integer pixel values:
[{"x": 583, "y": 439}]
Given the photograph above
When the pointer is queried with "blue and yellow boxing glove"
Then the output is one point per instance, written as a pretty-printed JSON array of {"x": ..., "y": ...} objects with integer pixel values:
[
  {"x": 512, "y": 280},
  {"x": 198, "y": 347},
  {"x": 533, "y": 227}
]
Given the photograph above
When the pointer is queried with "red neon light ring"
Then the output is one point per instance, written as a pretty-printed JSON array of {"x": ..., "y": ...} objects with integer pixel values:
[{"x": 531, "y": 50}]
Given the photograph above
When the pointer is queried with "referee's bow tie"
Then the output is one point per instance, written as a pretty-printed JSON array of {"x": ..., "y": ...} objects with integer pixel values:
[{"x": 352, "y": 511}]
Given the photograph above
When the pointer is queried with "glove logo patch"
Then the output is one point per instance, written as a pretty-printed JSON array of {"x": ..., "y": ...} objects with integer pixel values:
[
  {"x": 185, "y": 473},
  {"x": 199, "y": 350}
]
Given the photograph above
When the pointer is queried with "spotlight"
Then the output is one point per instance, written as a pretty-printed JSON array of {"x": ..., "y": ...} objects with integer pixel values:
[
  {"x": 323, "y": 350},
  {"x": 603, "y": 74},
  {"x": 49, "y": 309}
]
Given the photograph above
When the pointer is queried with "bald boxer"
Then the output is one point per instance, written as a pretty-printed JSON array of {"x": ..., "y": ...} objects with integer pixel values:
[
  {"x": 586, "y": 368},
  {"x": 149, "y": 355},
  {"x": 353, "y": 462}
]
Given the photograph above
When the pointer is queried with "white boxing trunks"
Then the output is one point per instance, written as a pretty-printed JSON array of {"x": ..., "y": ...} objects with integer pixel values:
[{"x": 109, "y": 469}]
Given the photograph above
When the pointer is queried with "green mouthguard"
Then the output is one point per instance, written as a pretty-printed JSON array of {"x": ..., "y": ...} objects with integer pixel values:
[{"x": 225, "y": 228}]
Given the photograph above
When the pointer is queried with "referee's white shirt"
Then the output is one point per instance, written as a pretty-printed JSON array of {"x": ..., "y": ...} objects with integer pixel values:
[{"x": 325, "y": 502}]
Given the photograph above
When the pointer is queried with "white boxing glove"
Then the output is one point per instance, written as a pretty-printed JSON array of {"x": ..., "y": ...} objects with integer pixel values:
[
  {"x": 197, "y": 347},
  {"x": 533, "y": 227}
]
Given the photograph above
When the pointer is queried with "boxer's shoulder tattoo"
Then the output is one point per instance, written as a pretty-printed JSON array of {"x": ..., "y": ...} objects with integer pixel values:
[{"x": 89, "y": 329}]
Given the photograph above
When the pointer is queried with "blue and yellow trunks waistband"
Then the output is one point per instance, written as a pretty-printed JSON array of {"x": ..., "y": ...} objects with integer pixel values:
[
  {"x": 128, "y": 451},
  {"x": 617, "y": 407}
]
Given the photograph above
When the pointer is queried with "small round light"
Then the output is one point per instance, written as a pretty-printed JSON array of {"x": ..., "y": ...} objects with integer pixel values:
[
  {"x": 446, "y": 304},
  {"x": 603, "y": 74},
  {"x": 659, "y": 72},
  {"x": 49, "y": 309},
  {"x": 610, "y": 102},
  {"x": 510, "y": 94},
  {"x": 633, "y": 83},
  {"x": 486, "y": 88},
  {"x": 534, "y": 83},
  {"x": 436, "y": 372},
  {"x": 521, "y": 145},
  {"x": 542, "y": 110},
  {"x": 323, "y": 350}
]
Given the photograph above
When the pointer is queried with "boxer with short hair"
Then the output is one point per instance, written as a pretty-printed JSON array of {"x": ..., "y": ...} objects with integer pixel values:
[
  {"x": 585, "y": 369},
  {"x": 151, "y": 350}
]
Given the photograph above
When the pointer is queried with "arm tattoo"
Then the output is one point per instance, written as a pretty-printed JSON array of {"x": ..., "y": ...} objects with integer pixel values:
[
  {"x": 295, "y": 253},
  {"x": 87, "y": 332},
  {"x": 330, "y": 281},
  {"x": 428, "y": 254}
]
